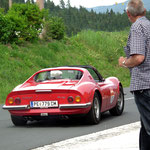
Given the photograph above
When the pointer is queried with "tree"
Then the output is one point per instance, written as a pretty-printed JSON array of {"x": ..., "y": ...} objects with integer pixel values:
[
  {"x": 55, "y": 28},
  {"x": 28, "y": 21},
  {"x": 50, "y": 5},
  {"x": 4, "y": 4},
  {"x": 30, "y": 1},
  {"x": 68, "y": 4},
  {"x": 62, "y": 4},
  {"x": 18, "y": 1}
]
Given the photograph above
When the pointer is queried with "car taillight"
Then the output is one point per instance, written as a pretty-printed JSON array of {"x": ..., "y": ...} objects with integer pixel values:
[
  {"x": 17, "y": 100},
  {"x": 78, "y": 99},
  {"x": 10, "y": 100},
  {"x": 70, "y": 99}
]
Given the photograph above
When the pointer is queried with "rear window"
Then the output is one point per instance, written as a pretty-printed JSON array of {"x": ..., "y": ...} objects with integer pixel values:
[{"x": 58, "y": 74}]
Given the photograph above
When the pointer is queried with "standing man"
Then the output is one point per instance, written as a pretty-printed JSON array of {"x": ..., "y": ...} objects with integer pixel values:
[{"x": 138, "y": 61}]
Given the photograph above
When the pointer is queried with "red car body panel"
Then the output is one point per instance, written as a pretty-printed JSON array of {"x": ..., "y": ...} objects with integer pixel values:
[{"x": 59, "y": 90}]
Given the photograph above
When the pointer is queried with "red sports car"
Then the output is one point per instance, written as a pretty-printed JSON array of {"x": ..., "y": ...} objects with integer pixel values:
[{"x": 65, "y": 91}]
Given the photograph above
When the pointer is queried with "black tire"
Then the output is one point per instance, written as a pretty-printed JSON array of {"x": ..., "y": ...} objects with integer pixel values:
[
  {"x": 118, "y": 109},
  {"x": 18, "y": 120},
  {"x": 94, "y": 115}
]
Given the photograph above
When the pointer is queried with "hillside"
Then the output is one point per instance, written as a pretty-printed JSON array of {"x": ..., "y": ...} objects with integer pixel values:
[
  {"x": 99, "y": 49},
  {"x": 120, "y": 7}
]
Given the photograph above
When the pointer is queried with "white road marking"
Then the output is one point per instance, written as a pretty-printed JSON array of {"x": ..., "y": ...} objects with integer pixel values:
[
  {"x": 126, "y": 99},
  {"x": 123, "y": 137}
]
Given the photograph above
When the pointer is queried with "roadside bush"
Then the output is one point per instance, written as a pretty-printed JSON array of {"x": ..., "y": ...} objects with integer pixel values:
[
  {"x": 54, "y": 29},
  {"x": 6, "y": 29},
  {"x": 27, "y": 20},
  {"x": 2, "y": 10}
]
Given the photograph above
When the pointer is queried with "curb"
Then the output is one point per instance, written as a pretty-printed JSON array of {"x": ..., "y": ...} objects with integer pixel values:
[{"x": 124, "y": 137}]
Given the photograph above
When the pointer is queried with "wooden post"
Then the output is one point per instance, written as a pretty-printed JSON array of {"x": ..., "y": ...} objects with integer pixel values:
[
  {"x": 40, "y": 3},
  {"x": 10, "y": 3}
]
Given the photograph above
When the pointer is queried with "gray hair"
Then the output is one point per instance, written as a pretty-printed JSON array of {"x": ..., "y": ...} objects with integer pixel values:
[{"x": 136, "y": 7}]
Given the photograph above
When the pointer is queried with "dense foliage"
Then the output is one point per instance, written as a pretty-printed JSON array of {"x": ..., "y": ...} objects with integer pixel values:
[
  {"x": 23, "y": 22},
  {"x": 80, "y": 19},
  {"x": 4, "y": 3},
  {"x": 28, "y": 20},
  {"x": 54, "y": 28},
  {"x": 6, "y": 29}
]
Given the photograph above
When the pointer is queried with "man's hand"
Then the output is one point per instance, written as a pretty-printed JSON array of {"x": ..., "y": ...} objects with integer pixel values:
[
  {"x": 132, "y": 61},
  {"x": 122, "y": 61}
]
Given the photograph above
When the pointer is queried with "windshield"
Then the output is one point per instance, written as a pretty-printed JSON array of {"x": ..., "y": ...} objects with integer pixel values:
[{"x": 58, "y": 74}]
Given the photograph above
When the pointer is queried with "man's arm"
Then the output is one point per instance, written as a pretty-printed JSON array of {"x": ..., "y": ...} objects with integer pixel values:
[{"x": 132, "y": 61}]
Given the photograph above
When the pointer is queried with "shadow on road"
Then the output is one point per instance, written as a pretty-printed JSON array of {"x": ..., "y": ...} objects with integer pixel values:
[{"x": 73, "y": 122}]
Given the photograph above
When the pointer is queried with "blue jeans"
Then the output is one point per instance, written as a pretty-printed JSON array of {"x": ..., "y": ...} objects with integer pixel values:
[{"x": 142, "y": 99}]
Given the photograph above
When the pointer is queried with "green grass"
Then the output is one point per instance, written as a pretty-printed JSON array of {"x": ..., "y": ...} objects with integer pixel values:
[{"x": 99, "y": 49}]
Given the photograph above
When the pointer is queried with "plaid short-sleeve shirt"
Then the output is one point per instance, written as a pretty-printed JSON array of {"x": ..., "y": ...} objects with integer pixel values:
[{"x": 139, "y": 43}]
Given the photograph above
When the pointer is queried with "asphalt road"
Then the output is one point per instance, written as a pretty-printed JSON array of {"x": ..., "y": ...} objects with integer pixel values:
[{"x": 42, "y": 133}]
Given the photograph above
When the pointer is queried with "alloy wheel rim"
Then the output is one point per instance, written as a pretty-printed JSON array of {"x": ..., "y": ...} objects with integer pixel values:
[
  {"x": 96, "y": 108},
  {"x": 120, "y": 101}
]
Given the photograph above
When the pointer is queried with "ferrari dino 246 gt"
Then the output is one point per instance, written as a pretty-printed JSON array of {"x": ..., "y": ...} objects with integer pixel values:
[{"x": 65, "y": 91}]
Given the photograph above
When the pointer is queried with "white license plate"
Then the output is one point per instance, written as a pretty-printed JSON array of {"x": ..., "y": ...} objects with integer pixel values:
[{"x": 43, "y": 104}]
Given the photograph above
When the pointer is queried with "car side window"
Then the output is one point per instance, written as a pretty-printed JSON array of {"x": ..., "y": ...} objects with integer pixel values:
[
  {"x": 41, "y": 76},
  {"x": 93, "y": 74}
]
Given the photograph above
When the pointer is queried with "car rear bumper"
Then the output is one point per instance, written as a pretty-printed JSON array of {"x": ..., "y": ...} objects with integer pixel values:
[
  {"x": 62, "y": 106},
  {"x": 63, "y": 109},
  {"x": 74, "y": 106},
  {"x": 20, "y": 107}
]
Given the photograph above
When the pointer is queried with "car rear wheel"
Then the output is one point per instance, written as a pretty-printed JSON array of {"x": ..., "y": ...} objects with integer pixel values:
[
  {"x": 94, "y": 115},
  {"x": 118, "y": 109},
  {"x": 18, "y": 120}
]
